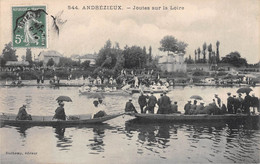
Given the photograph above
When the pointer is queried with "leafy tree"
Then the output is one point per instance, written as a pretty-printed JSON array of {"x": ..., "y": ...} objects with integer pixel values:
[
  {"x": 217, "y": 45},
  {"x": 134, "y": 57},
  {"x": 85, "y": 64},
  {"x": 195, "y": 52},
  {"x": 39, "y": 64},
  {"x": 50, "y": 62},
  {"x": 2, "y": 62},
  {"x": 171, "y": 44},
  {"x": 9, "y": 54},
  {"x": 67, "y": 62},
  {"x": 189, "y": 60},
  {"x": 150, "y": 55},
  {"x": 210, "y": 51},
  {"x": 199, "y": 51},
  {"x": 117, "y": 46},
  {"x": 204, "y": 47},
  {"x": 28, "y": 56},
  {"x": 234, "y": 58},
  {"x": 107, "y": 56}
]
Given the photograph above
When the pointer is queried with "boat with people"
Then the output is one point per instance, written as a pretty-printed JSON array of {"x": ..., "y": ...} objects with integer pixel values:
[
  {"x": 176, "y": 117},
  {"x": 72, "y": 120},
  {"x": 153, "y": 88},
  {"x": 104, "y": 90}
]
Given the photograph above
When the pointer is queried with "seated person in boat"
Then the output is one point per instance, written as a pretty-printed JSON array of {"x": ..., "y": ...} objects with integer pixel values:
[
  {"x": 214, "y": 108},
  {"x": 193, "y": 107},
  {"x": 60, "y": 112},
  {"x": 174, "y": 108},
  {"x": 129, "y": 107},
  {"x": 99, "y": 106},
  {"x": 199, "y": 109},
  {"x": 187, "y": 107},
  {"x": 22, "y": 114},
  {"x": 13, "y": 83}
]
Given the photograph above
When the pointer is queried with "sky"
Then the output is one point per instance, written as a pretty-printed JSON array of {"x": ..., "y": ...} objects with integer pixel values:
[{"x": 234, "y": 23}]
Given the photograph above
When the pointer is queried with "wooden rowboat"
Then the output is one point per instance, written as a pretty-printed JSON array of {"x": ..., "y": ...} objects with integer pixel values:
[
  {"x": 10, "y": 119},
  {"x": 195, "y": 118}
]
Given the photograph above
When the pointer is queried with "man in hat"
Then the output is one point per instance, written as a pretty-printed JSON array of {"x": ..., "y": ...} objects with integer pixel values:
[
  {"x": 236, "y": 103},
  {"x": 100, "y": 108},
  {"x": 129, "y": 107},
  {"x": 247, "y": 103},
  {"x": 240, "y": 100},
  {"x": 230, "y": 103},
  {"x": 152, "y": 101},
  {"x": 22, "y": 114},
  {"x": 60, "y": 112},
  {"x": 165, "y": 104},
  {"x": 187, "y": 107},
  {"x": 142, "y": 102}
]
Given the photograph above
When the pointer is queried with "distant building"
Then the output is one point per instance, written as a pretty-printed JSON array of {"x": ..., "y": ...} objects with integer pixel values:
[
  {"x": 172, "y": 63},
  {"x": 88, "y": 57},
  {"x": 212, "y": 67},
  {"x": 199, "y": 66},
  {"x": 45, "y": 56}
]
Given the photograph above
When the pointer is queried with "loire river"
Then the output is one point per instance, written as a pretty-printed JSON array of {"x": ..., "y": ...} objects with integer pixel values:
[{"x": 123, "y": 139}]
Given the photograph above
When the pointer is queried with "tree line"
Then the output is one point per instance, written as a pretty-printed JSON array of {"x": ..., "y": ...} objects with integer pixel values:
[
  {"x": 206, "y": 54},
  {"x": 111, "y": 56}
]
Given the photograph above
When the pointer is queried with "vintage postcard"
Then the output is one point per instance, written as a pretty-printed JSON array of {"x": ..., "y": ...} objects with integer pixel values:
[{"x": 133, "y": 81}]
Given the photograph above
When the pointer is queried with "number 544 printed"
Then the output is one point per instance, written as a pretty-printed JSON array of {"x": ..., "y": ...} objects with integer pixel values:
[{"x": 29, "y": 26}]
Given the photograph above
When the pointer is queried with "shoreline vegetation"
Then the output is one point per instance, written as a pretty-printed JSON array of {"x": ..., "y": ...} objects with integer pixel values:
[{"x": 63, "y": 74}]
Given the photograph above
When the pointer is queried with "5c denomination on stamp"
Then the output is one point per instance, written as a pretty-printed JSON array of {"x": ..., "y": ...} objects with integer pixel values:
[{"x": 29, "y": 26}]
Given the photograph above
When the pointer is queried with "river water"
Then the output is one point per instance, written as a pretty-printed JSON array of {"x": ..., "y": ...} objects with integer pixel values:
[{"x": 123, "y": 139}]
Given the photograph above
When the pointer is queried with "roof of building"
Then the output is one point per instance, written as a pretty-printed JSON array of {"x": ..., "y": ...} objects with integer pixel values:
[
  {"x": 86, "y": 56},
  {"x": 17, "y": 63},
  {"x": 50, "y": 53}
]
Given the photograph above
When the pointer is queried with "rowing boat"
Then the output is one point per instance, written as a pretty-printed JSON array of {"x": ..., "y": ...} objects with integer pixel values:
[
  {"x": 10, "y": 119},
  {"x": 195, "y": 118},
  {"x": 117, "y": 93}
]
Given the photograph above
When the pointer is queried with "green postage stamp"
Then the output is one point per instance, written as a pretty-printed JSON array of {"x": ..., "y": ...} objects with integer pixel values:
[{"x": 29, "y": 26}]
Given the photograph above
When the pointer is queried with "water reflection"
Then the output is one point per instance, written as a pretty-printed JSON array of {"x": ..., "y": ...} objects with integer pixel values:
[
  {"x": 237, "y": 141},
  {"x": 63, "y": 142},
  {"x": 97, "y": 144}
]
